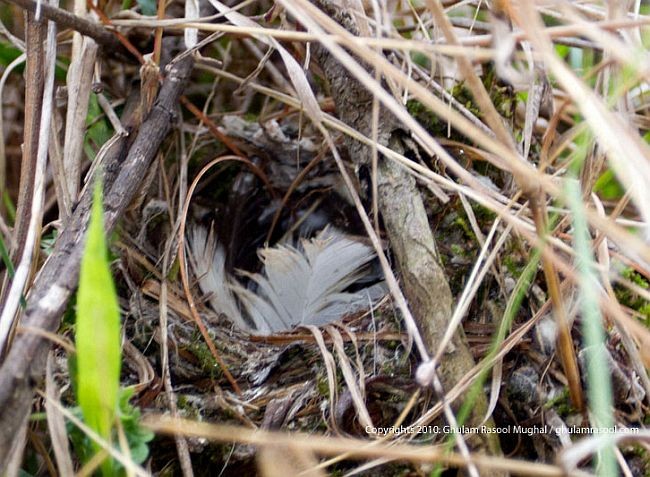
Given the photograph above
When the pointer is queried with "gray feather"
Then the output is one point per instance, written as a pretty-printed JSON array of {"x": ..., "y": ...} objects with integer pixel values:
[
  {"x": 299, "y": 286},
  {"x": 208, "y": 260}
]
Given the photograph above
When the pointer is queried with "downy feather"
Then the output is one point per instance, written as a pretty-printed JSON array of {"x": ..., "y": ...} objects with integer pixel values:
[
  {"x": 299, "y": 286},
  {"x": 208, "y": 261}
]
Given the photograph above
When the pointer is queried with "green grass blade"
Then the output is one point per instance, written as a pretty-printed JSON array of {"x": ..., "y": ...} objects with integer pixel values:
[
  {"x": 599, "y": 386},
  {"x": 4, "y": 254},
  {"x": 512, "y": 308},
  {"x": 98, "y": 329}
]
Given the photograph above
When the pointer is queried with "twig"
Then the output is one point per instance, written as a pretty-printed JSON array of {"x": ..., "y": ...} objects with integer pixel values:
[
  {"x": 211, "y": 126},
  {"x": 58, "y": 278},
  {"x": 32, "y": 182},
  {"x": 34, "y": 79},
  {"x": 68, "y": 20},
  {"x": 79, "y": 81},
  {"x": 124, "y": 41}
]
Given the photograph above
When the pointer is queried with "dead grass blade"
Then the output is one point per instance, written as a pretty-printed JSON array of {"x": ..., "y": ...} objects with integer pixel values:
[
  {"x": 36, "y": 198},
  {"x": 628, "y": 154},
  {"x": 566, "y": 350},
  {"x": 330, "y": 368},
  {"x": 602, "y": 253},
  {"x": 355, "y": 448},
  {"x": 35, "y": 36},
  {"x": 295, "y": 71},
  {"x": 356, "y": 391},
  {"x": 79, "y": 83},
  {"x": 570, "y": 458},
  {"x": 474, "y": 83},
  {"x": 191, "y": 13},
  {"x": 183, "y": 267},
  {"x": 280, "y": 461},
  {"x": 181, "y": 443},
  {"x": 56, "y": 423}
]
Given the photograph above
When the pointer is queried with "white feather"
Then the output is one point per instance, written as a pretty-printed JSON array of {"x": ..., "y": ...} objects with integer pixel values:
[
  {"x": 209, "y": 263},
  {"x": 299, "y": 286}
]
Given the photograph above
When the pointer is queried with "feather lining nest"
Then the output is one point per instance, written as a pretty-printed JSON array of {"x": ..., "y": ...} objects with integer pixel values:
[{"x": 303, "y": 285}]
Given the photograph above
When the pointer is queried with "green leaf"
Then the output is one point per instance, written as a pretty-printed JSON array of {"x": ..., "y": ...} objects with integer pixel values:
[
  {"x": 9, "y": 206},
  {"x": 608, "y": 187},
  {"x": 9, "y": 53},
  {"x": 562, "y": 50},
  {"x": 98, "y": 329},
  {"x": 98, "y": 130},
  {"x": 136, "y": 435},
  {"x": 4, "y": 254}
]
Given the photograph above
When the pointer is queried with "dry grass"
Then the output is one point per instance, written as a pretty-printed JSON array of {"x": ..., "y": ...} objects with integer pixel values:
[{"x": 512, "y": 107}]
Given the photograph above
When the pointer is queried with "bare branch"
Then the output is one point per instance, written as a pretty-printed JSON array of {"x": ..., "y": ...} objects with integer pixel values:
[
  {"x": 68, "y": 20},
  {"x": 24, "y": 366}
]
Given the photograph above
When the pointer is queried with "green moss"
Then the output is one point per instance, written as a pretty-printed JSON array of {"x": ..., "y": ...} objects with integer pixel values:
[
  {"x": 641, "y": 458},
  {"x": 188, "y": 411},
  {"x": 421, "y": 59},
  {"x": 461, "y": 221},
  {"x": 502, "y": 96},
  {"x": 425, "y": 117},
  {"x": 461, "y": 93},
  {"x": 640, "y": 451},
  {"x": 251, "y": 117},
  {"x": 205, "y": 359},
  {"x": 458, "y": 250},
  {"x": 322, "y": 387},
  {"x": 635, "y": 278},
  {"x": 513, "y": 266},
  {"x": 503, "y": 99},
  {"x": 629, "y": 298},
  {"x": 561, "y": 403},
  {"x": 483, "y": 214},
  {"x": 391, "y": 345},
  {"x": 181, "y": 401}
]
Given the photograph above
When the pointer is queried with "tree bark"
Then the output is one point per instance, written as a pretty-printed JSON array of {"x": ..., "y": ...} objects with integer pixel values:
[{"x": 423, "y": 279}]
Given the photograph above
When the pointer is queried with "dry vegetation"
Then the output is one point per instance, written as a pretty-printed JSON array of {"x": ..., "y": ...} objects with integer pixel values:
[{"x": 483, "y": 171}]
